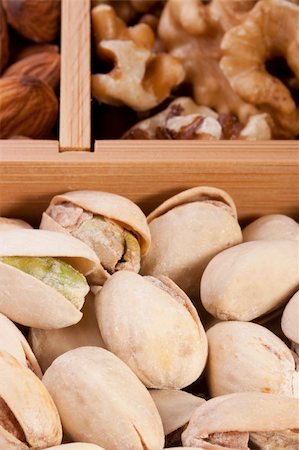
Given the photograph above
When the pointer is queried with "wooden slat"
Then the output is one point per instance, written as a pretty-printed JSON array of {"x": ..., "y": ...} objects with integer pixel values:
[
  {"x": 75, "y": 92},
  {"x": 262, "y": 177},
  {"x": 27, "y": 149}
]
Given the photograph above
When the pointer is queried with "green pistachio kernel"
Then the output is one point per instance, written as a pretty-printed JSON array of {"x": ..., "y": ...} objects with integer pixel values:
[
  {"x": 132, "y": 249},
  {"x": 55, "y": 273}
]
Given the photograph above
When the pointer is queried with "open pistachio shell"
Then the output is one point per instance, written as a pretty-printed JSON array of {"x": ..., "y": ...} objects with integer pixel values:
[
  {"x": 30, "y": 301},
  {"x": 119, "y": 210},
  {"x": 175, "y": 408},
  {"x": 272, "y": 226},
  {"x": 28, "y": 417},
  {"x": 13, "y": 342},
  {"x": 49, "y": 344},
  {"x": 153, "y": 327},
  {"x": 245, "y": 357},
  {"x": 196, "y": 194},
  {"x": 250, "y": 279},
  {"x": 101, "y": 401},
  {"x": 76, "y": 446},
  {"x": 187, "y": 231},
  {"x": 290, "y": 319},
  {"x": 230, "y": 419},
  {"x": 11, "y": 224}
]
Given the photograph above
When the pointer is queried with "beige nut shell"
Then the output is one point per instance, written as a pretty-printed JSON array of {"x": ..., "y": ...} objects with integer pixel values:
[
  {"x": 196, "y": 194},
  {"x": 187, "y": 231},
  {"x": 11, "y": 224},
  {"x": 26, "y": 299},
  {"x": 247, "y": 357},
  {"x": 175, "y": 407},
  {"x": 252, "y": 411},
  {"x": 31, "y": 404},
  {"x": 76, "y": 446},
  {"x": 13, "y": 342},
  {"x": 101, "y": 401},
  {"x": 49, "y": 344},
  {"x": 109, "y": 205},
  {"x": 290, "y": 319},
  {"x": 250, "y": 279},
  {"x": 272, "y": 226},
  {"x": 158, "y": 336}
]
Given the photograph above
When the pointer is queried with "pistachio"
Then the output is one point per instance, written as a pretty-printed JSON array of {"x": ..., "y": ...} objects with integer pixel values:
[
  {"x": 213, "y": 426},
  {"x": 101, "y": 401},
  {"x": 290, "y": 319},
  {"x": 250, "y": 279},
  {"x": 104, "y": 237},
  {"x": 12, "y": 341},
  {"x": 54, "y": 273},
  {"x": 37, "y": 289},
  {"x": 49, "y": 344},
  {"x": 77, "y": 446},
  {"x": 153, "y": 327},
  {"x": 286, "y": 440},
  {"x": 131, "y": 256},
  {"x": 28, "y": 417},
  {"x": 244, "y": 357},
  {"x": 187, "y": 231},
  {"x": 272, "y": 226},
  {"x": 113, "y": 226},
  {"x": 10, "y": 224},
  {"x": 175, "y": 408}
]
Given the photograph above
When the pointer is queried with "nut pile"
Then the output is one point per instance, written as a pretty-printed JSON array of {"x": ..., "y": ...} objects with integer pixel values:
[
  {"x": 195, "y": 69},
  {"x": 29, "y": 67},
  {"x": 122, "y": 312}
]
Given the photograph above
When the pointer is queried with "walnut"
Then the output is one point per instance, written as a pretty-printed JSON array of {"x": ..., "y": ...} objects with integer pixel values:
[
  {"x": 192, "y": 32},
  {"x": 139, "y": 78},
  {"x": 271, "y": 29},
  {"x": 184, "y": 119}
]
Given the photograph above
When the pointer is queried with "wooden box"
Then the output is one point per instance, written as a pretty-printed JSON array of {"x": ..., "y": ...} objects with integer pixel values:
[{"x": 262, "y": 177}]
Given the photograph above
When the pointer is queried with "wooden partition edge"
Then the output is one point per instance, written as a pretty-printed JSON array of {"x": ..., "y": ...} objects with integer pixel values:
[
  {"x": 262, "y": 177},
  {"x": 75, "y": 91},
  {"x": 27, "y": 149}
]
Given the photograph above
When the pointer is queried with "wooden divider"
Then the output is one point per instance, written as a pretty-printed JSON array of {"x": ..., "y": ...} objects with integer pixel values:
[
  {"x": 262, "y": 177},
  {"x": 75, "y": 94}
]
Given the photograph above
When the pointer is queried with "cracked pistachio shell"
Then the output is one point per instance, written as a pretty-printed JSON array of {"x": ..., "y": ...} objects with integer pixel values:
[
  {"x": 290, "y": 319},
  {"x": 187, "y": 231},
  {"x": 250, "y": 279},
  {"x": 272, "y": 226},
  {"x": 27, "y": 300},
  {"x": 13, "y": 342},
  {"x": 28, "y": 416},
  {"x": 240, "y": 413},
  {"x": 11, "y": 224},
  {"x": 100, "y": 400},
  {"x": 120, "y": 209},
  {"x": 175, "y": 407},
  {"x": 76, "y": 446},
  {"x": 245, "y": 357},
  {"x": 151, "y": 325},
  {"x": 49, "y": 344}
]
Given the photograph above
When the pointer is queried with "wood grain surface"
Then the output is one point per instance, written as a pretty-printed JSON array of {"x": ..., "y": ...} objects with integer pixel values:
[
  {"x": 262, "y": 177},
  {"x": 75, "y": 93}
]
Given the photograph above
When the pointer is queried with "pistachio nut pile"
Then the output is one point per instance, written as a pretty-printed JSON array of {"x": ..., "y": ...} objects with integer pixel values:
[{"x": 106, "y": 315}]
